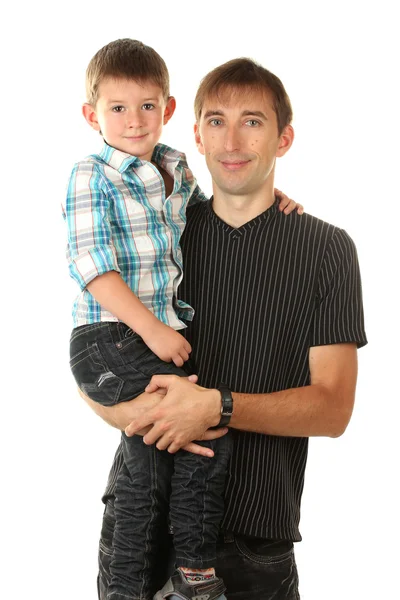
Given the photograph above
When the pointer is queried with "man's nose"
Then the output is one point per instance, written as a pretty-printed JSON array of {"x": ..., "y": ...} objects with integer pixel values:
[{"x": 232, "y": 139}]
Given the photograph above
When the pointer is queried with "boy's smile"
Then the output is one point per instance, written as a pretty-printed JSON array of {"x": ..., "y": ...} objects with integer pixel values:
[{"x": 130, "y": 115}]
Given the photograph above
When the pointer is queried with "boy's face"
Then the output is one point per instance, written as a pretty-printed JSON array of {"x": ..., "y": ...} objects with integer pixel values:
[
  {"x": 130, "y": 115},
  {"x": 238, "y": 135}
]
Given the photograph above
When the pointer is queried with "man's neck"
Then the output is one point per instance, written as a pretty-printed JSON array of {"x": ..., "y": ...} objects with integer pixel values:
[{"x": 236, "y": 210}]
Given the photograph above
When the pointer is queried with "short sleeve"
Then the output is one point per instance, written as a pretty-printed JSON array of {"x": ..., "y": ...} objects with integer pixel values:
[
  {"x": 339, "y": 314},
  {"x": 90, "y": 250}
]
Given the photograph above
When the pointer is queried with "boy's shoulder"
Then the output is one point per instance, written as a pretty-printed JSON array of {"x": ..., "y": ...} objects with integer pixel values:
[{"x": 163, "y": 153}]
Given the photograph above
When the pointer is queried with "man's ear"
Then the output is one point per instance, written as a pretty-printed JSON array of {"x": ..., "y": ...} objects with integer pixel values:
[
  {"x": 285, "y": 140},
  {"x": 90, "y": 115},
  {"x": 169, "y": 109},
  {"x": 197, "y": 138}
]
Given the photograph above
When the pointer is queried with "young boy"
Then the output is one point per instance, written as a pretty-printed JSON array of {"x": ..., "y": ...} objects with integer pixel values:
[{"x": 125, "y": 213}]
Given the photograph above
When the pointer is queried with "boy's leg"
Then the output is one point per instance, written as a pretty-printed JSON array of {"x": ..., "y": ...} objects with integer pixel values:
[
  {"x": 141, "y": 519},
  {"x": 112, "y": 364},
  {"x": 196, "y": 510}
]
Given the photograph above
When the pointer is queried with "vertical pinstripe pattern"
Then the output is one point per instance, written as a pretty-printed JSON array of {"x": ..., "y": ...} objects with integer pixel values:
[{"x": 263, "y": 294}]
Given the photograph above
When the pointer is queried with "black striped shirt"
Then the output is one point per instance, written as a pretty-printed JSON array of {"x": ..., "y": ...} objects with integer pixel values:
[{"x": 263, "y": 294}]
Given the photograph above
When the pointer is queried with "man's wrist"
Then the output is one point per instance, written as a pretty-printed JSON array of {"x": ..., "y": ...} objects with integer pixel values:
[{"x": 226, "y": 405}]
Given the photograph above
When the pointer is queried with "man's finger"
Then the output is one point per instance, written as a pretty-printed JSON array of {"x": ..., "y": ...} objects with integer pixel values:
[
  {"x": 161, "y": 381},
  {"x": 140, "y": 423},
  {"x": 214, "y": 434},
  {"x": 200, "y": 450}
]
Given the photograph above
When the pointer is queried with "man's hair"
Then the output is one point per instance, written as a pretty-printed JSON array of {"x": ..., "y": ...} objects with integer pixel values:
[
  {"x": 244, "y": 75},
  {"x": 126, "y": 59}
]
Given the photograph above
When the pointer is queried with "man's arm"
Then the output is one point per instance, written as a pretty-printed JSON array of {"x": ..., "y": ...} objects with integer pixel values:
[
  {"x": 120, "y": 415},
  {"x": 323, "y": 408}
]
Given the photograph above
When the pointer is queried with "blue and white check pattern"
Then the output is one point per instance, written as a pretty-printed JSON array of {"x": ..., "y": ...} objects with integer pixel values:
[{"x": 119, "y": 219}]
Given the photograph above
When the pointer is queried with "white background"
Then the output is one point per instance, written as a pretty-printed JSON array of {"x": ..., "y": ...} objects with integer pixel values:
[{"x": 339, "y": 63}]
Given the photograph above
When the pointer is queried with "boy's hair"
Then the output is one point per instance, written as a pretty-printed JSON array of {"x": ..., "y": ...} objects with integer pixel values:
[
  {"x": 244, "y": 74},
  {"x": 126, "y": 59}
]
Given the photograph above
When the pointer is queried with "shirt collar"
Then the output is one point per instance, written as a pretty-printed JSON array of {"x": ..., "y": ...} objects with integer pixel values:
[{"x": 166, "y": 157}]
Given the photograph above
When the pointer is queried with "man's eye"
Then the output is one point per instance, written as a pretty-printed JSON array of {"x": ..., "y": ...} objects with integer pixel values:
[
  {"x": 148, "y": 106},
  {"x": 215, "y": 122},
  {"x": 253, "y": 122},
  {"x": 117, "y": 109}
]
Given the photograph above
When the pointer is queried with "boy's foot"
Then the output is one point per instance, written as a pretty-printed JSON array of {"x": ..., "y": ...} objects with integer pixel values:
[{"x": 177, "y": 588}]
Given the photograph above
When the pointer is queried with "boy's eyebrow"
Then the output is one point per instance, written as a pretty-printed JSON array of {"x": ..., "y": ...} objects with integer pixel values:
[
  {"x": 245, "y": 113},
  {"x": 122, "y": 101}
]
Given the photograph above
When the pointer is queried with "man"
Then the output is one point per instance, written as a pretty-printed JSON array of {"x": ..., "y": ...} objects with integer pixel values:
[{"x": 278, "y": 321}]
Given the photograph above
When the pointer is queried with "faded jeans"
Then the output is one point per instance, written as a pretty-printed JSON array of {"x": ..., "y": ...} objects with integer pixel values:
[{"x": 155, "y": 491}]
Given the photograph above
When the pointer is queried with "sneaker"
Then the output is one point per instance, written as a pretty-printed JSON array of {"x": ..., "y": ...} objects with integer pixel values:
[{"x": 178, "y": 586}]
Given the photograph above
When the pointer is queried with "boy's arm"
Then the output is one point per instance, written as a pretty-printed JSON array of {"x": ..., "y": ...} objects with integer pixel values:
[{"x": 111, "y": 291}]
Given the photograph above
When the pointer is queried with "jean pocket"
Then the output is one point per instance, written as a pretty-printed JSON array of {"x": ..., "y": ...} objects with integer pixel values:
[
  {"x": 267, "y": 552},
  {"x": 94, "y": 376}
]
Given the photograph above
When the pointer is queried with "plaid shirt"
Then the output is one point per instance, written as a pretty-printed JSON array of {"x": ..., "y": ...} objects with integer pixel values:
[{"x": 119, "y": 219}]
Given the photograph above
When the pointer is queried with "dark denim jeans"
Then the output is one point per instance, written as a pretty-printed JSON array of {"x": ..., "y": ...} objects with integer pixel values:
[
  {"x": 112, "y": 364},
  {"x": 252, "y": 569}
]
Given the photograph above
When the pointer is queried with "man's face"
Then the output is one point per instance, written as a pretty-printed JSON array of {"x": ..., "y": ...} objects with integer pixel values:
[
  {"x": 238, "y": 135},
  {"x": 130, "y": 115}
]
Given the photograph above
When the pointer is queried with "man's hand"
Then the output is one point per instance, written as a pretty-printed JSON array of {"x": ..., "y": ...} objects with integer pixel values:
[
  {"x": 287, "y": 205},
  {"x": 167, "y": 344},
  {"x": 186, "y": 413},
  {"x": 121, "y": 415}
]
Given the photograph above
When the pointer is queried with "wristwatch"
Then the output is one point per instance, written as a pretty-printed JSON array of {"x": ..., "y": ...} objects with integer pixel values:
[{"x": 226, "y": 405}]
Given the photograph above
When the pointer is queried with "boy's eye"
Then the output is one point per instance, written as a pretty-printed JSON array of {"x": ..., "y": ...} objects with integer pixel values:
[
  {"x": 117, "y": 109},
  {"x": 148, "y": 106},
  {"x": 215, "y": 122},
  {"x": 253, "y": 122}
]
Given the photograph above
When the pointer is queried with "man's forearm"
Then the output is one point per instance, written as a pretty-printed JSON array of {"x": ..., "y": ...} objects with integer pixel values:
[
  {"x": 321, "y": 409},
  {"x": 113, "y": 415},
  {"x": 298, "y": 412}
]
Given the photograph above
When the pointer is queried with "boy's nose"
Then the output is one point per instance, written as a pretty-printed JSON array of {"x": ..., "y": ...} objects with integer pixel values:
[{"x": 134, "y": 120}]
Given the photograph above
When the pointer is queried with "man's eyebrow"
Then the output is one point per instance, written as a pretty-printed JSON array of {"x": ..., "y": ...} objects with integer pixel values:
[
  {"x": 212, "y": 113},
  {"x": 254, "y": 113},
  {"x": 245, "y": 113}
]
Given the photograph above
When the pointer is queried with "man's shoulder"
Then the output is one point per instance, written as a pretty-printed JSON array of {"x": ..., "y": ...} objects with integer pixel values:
[
  {"x": 309, "y": 224},
  {"x": 197, "y": 210}
]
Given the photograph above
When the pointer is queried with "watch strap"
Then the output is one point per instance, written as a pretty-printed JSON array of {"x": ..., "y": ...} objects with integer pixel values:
[{"x": 226, "y": 405}]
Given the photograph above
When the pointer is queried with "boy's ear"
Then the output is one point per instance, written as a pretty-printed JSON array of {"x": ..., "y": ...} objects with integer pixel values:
[
  {"x": 169, "y": 109},
  {"x": 285, "y": 140},
  {"x": 90, "y": 115},
  {"x": 197, "y": 138}
]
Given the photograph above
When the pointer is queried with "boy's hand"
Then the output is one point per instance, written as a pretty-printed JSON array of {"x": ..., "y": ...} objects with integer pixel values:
[
  {"x": 287, "y": 205},
  {"x": 168, "y": 344}
]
